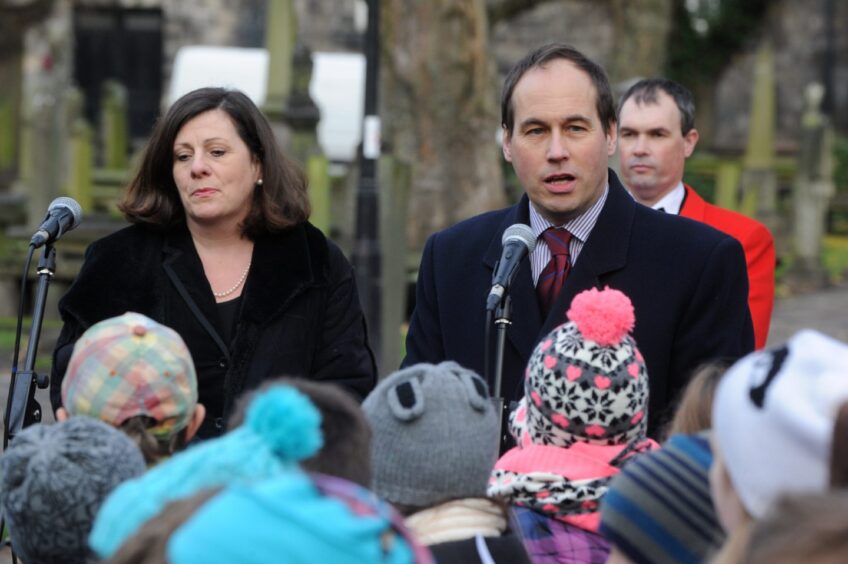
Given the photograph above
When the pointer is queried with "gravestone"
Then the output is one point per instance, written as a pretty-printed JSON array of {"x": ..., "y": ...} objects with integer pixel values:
[{"x": 812, "y": 191}]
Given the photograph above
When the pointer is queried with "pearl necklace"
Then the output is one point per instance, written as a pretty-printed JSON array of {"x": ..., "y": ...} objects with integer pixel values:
[{"x": 241, "y": 280}]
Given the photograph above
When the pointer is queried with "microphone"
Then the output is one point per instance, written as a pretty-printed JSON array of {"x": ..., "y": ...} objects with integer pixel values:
[
  {"x": 518, "y": 241},
  {"x": 63, "y": 214}
]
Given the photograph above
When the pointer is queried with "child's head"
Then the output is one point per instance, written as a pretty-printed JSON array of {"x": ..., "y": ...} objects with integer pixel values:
[
  {"x": 586, "y": 381},
  {"x": 435, "y": 435},
  {"x": 659, "y": 509},
  {"x": 346, "y": 452},
  {"x": 802, "y": 528},
  {"x": 281, "y": 428},
  {"x": 53, "y": 479},
  {"x": 773, "y": 421},
  {"x": 137, "y": 375},
  {"x": 694, "y": 412}
]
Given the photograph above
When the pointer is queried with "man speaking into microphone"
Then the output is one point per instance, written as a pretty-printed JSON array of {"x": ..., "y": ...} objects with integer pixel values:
[{"x": 687, "y": 281}]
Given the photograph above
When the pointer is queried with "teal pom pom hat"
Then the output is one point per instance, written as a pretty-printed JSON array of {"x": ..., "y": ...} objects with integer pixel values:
[{"x": 282, "y": 427}]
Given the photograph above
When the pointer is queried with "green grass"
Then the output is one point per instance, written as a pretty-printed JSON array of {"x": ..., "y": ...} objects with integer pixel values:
[{"x": 7, "y": 342}]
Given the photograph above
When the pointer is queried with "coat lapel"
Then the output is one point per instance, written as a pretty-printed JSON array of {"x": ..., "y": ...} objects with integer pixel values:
[
  {"x": 284, "y": 265},
  {"x": 526, "y": 319}
]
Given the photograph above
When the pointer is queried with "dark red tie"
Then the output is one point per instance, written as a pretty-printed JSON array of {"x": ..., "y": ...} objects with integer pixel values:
[{"x": 553, "y": 276}]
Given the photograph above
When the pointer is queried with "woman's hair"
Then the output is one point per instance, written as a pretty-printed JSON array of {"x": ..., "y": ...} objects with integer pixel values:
[
  {"x": 694, "y": 412},
  {"x": 152, "y": 448},
  {"x": 839, "y": 449},
  {"x": 806, "y": 527},
  {"x": 280, "y": 202}
]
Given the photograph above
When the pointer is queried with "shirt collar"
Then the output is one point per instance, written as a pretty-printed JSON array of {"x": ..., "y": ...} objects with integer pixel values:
[
  {"x": 580, "y": 227},
  {"x": 673, "y": 201}
]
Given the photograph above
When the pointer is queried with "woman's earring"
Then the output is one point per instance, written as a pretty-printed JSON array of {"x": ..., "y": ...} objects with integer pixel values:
[{"x": 259, "y": 183}]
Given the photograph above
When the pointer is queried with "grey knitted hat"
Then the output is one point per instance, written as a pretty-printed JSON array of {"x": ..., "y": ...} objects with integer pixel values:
[
  {"x": 435, "y": 435},
  {"x": 53, "y": 479}
]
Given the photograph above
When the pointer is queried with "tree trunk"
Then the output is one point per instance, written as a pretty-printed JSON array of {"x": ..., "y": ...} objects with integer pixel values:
[
  {"x": 441, "y": 110},
  {"x": 15, "y": 18},
  {"x": 640, "y": 35}
]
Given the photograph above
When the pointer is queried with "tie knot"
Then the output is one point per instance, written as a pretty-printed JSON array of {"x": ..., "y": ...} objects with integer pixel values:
[{"x": 557, "y": 240}]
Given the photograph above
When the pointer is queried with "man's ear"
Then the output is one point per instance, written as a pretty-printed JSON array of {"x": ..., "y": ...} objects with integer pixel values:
[
  {"x": 505, "y": 145},
  {"x": 194, "y": 423},
  {"x": 62, "y": 414},
  {"x": 612, "y": 138},
  {"x": 689, "y": 142}
]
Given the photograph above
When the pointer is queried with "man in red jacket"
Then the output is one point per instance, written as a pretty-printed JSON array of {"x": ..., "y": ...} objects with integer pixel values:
[{"x": 656, "y": 134}]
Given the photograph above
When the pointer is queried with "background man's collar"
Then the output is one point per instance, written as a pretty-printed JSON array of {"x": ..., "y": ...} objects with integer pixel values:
[{"x": 673, "y": 201}]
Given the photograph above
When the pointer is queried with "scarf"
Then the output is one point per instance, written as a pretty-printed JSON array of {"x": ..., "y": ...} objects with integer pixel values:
[
  {"x": 458, "y": 520},
  {"x": 564, "y": 483}
]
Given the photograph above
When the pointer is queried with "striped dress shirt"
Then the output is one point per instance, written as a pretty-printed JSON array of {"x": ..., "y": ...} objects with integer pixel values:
[{"x": 580, "y": 227}]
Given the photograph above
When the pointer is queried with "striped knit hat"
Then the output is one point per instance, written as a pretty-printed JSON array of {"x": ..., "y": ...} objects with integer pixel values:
[
  {"x": 128, "y": 366},
  {"x": 659, "y": 509}
]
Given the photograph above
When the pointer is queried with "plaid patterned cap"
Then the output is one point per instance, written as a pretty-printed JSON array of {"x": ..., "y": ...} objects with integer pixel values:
[{"x": 128, "y": 366}]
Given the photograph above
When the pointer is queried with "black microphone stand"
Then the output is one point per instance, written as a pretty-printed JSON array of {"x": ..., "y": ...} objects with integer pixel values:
[
  {"x": 22, "y": 409},
  {"x": 502, "y": 322}
]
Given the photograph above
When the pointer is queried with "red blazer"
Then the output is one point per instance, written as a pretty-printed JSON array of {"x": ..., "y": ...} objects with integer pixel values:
[{"x": 758, "y": 245}]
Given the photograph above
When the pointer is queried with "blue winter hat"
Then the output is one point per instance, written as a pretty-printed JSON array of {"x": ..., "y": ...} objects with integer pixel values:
[
  {"x": 659, "y": 508},
  {"x": 289, "y": 519},
  {"x": 282, "y": 427}
]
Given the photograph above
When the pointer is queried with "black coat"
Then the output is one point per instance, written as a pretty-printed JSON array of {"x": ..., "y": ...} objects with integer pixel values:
[
  {"x": 505, "y": 549},
  {"x": 687, "y": 281},
  {"x": 300, "y": 313}
]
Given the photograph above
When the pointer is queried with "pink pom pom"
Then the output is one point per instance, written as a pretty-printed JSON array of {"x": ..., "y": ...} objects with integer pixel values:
[{"x": 603, "y": 316}]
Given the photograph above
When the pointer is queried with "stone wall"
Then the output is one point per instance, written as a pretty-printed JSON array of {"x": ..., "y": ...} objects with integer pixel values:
[
  {"x": 797, "y": 31},
  {"x": 796, "y": 28},
  {"x": 585, "y": 25}
]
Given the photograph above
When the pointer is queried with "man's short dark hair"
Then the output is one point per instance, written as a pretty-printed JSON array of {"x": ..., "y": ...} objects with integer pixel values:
[
  {"x": 553, "y": 51},
  {"x": 645, "y": 92}
]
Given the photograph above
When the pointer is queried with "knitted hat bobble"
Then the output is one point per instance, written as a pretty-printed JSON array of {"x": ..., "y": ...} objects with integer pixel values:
[
  {"x": 603, "y": 316},
  {"x": 586, "y": 381},
  {"x": 281, "y": 428},
  {"x": 287, "y": 422}
]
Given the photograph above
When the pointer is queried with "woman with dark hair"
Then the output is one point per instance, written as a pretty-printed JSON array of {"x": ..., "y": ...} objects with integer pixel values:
[{"x": 221, "y": 250}]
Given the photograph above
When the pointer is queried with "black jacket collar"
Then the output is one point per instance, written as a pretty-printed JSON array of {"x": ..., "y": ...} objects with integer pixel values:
[
  {"x": 282, "y": 267},
  {"x": 125, "y": 272}
]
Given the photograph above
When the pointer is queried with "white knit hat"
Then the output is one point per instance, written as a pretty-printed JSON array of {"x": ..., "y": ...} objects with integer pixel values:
[{"x": 773, "y": 418}]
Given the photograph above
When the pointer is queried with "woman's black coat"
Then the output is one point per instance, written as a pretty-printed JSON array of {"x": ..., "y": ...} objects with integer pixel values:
[{"x": 300, "y": 313}]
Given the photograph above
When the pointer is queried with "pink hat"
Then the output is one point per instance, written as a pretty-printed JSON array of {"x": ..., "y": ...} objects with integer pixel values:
[{"x": 586, "y": 381}]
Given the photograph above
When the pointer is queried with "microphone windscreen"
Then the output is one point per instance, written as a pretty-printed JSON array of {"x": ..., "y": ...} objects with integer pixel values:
[
  {"x": 69, "y": 204},
  {"x": 522, "y": 233}
]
